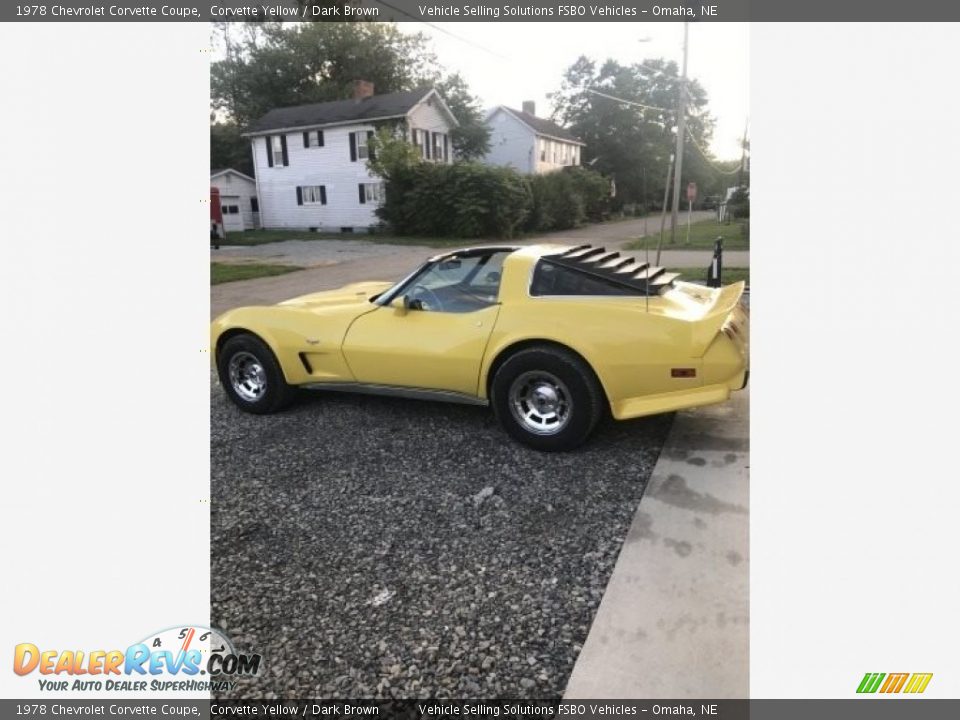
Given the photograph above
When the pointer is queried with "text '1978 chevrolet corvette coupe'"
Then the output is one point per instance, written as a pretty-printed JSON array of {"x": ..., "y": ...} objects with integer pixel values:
[{"x": 551, "y": 336}]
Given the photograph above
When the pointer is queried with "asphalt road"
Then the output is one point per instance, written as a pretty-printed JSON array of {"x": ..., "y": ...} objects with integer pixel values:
[{"x": 374, "y": 547}]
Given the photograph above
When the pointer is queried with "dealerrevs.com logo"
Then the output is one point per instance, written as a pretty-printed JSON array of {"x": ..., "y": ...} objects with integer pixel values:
[
  {"x": 910, "y": 683},
  {"x": 177, "y": 659}
]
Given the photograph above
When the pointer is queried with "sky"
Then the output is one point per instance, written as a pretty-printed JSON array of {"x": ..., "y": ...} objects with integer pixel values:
[{"x": 507, "y": 63}]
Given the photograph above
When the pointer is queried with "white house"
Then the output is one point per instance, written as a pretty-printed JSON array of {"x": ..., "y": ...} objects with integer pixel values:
[
  {"x": 311, "y": 160},
  {"x": 238, "y": 199},
  {"x": 521, "y": 140}
]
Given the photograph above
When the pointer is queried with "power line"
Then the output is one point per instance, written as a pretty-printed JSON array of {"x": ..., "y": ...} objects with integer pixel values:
[
  {"x": 445, "y": 31},
  {"x": 706, "y": 157},
  {"x": 628, "y": 102}
]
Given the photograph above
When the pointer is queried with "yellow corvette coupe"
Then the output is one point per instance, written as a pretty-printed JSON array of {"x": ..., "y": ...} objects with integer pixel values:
[{"x": 551, "y": 336}]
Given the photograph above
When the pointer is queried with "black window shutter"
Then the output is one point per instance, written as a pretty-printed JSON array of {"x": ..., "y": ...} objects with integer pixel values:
[
  {"x": 371, "y": 153},
  {"x": 323, "y": 194},
  {"x": 353, "y": 147},
  {"x": 319, "y": 138},
  {"x": 299, "y": 195},
  {"x": 283, "y": 149},
  {"x": 269, "y": 150},
  {"x": 306, "y": 139},
  {"x": 446, "y": 149},
  {"x": 413, "y": 136},
  {"x": 363, "y": 195}
]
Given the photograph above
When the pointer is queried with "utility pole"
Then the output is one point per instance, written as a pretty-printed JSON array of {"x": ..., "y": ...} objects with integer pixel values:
[
  {"x": 681, "y": 136},
  {"x": 663, "y": 210}
]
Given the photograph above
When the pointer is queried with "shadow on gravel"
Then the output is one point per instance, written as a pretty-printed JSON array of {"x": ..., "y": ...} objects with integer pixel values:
[{"x": 375, "y": 547}]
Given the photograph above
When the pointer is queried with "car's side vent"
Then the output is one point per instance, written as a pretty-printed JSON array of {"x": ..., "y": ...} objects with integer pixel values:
[
  {"x": 614, "y": 267},
  {"x": 306, "y": 363}
]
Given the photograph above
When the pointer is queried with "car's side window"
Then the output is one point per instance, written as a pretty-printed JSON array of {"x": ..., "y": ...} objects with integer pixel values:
[
  {"x": 550, "y": 279},
  {"x": 457, "y": 284}
]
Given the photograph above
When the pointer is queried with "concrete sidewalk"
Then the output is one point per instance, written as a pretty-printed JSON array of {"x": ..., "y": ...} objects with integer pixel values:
[{"x": 674, "y": 620}]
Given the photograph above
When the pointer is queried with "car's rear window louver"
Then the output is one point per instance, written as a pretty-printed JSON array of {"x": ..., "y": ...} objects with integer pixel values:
[{"x": 623, "y": 270}]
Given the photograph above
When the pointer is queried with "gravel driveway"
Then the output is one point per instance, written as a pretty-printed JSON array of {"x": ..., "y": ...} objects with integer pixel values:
[{"x": 376, "y": 547}]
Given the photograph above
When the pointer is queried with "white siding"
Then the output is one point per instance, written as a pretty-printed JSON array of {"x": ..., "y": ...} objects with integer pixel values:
[
  {"x": 330, "y": 166},
  {"x": 558, "y": 154},
  {"x": 429, "y": 116},
  {"x": 512, "y": 144},
  {"x": 234, "y": 184}
]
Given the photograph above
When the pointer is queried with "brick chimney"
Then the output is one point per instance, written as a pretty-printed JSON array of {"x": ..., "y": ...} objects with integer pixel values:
[
  {"x": 530, "y": 107},
  {"x": 362, "y": 89}
]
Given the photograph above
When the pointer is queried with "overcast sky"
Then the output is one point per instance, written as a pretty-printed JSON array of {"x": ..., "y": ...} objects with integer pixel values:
[{"x": 526, "y": 60}]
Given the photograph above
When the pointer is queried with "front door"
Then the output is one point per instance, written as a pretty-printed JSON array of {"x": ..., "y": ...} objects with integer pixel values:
[
  {"x": 434, "y": 332},
  {"x": 420, "y": 348}
]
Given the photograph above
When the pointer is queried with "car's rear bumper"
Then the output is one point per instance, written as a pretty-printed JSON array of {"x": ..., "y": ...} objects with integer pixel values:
[{"x": 678, "y": 399}]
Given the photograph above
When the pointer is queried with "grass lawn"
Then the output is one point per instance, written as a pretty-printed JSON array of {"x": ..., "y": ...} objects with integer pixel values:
[
  {"x": 702, "y": 235},
  {"x": 224, "y": 272},
  {"x": 262, "y": 237},
  {"x": 730, "y": 275}
]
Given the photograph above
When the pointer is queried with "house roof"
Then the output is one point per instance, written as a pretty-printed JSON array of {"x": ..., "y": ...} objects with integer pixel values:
[
  {"x": 340, "y": 112},
  {"x": 224, "y": 171},
  {"x": 543, "y": 127}
]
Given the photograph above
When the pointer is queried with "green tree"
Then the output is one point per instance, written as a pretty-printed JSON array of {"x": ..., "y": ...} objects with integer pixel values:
[
  {"x": 626, "y": 142},
  {"x": 471, "y": 140},
  {"x": 270, "y": 65},
  {"x": 392, "y": 155},
  {"x": 228, "y": 149}
]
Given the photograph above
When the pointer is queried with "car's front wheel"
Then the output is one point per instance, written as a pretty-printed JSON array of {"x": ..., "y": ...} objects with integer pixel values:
[
  {"x": 547, "y": 398},
  {"x": 251, "y": 376}
]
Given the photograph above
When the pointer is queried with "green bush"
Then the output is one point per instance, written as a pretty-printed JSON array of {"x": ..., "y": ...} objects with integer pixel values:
[
  {"x": 739, "y": 204},
  {"x": 466, "y": 200},
  {"x": 566, "y": 199},
  {"x": 472, "y": 200}
]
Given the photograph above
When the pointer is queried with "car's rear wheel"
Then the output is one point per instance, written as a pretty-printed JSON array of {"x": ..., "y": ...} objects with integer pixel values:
[
  {"x": 251, "y": 376},
  {"x": 547, "y": 398}
]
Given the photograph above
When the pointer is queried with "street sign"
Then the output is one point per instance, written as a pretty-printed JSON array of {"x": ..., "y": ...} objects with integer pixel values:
[{"x": 691, "y": 192}]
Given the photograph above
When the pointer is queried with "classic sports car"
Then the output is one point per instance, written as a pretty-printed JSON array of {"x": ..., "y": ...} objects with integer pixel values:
[{"x": 551, "y": 336}]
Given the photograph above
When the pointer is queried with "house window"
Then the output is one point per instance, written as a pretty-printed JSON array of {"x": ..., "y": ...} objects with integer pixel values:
[
  {"x": 277, "y": 148},
  {"x": 371, "y": 192},
  {"x": 313, "y": 138},
  {"x": 438, "y": 146},
  {"x": 254, "y": 205},
  {"x": 543, "y": 150},
  {"x": 314, "y": 194},
  {"x": 363, "y": 150},
  {"x": 229, "y": 209},
  {"x": 421, "y": 139}
]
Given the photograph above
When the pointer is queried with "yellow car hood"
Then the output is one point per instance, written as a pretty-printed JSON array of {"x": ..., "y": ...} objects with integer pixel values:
[{"x": 353, "y": 294}]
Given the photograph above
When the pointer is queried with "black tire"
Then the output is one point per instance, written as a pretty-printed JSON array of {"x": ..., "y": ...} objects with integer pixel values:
[
  {"x": 556, "y": 378},
  {"x": 267, "y": 390}
]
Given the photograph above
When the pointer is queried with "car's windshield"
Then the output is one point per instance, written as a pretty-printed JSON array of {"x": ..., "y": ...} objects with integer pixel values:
[{"x": 453, "y": 283}]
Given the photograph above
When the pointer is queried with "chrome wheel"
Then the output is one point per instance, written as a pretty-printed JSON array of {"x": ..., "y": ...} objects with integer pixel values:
[
  {"x": 247, "y": 376},
  {"x": 540, "y": 402}
]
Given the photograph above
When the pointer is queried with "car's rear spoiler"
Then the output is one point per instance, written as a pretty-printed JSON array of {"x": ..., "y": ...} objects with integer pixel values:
[{"x": 721, "y": 305}]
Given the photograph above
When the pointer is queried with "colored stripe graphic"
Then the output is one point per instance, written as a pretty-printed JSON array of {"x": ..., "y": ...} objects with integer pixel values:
[
  {"x": 918, "y": 682},
  {"x": 870, "y": 682},
  {"x": 894, "y": 682}
]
